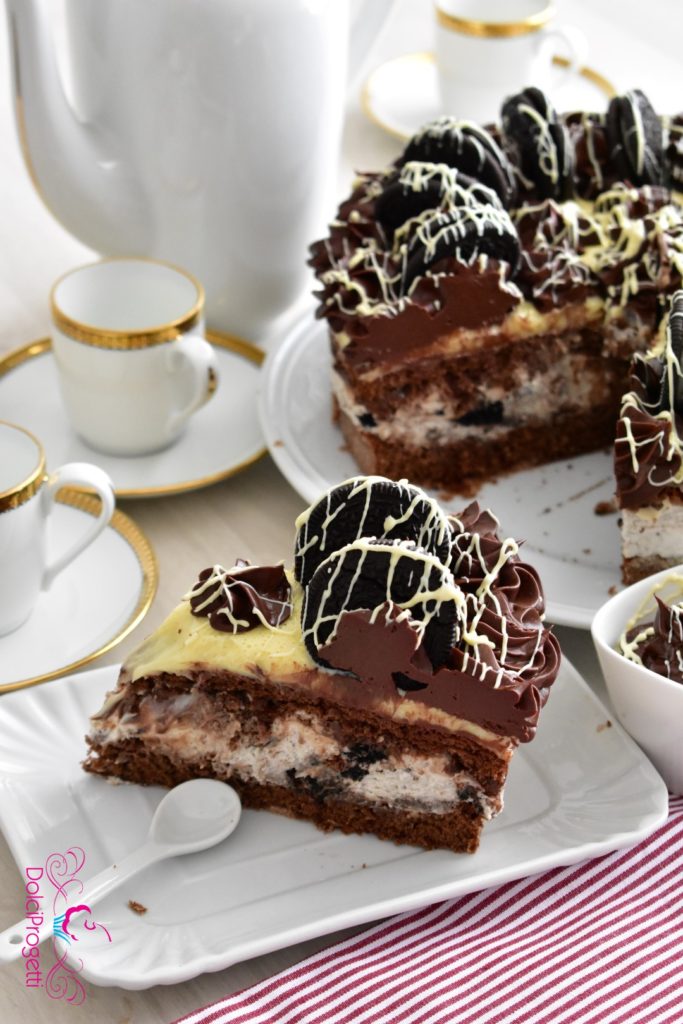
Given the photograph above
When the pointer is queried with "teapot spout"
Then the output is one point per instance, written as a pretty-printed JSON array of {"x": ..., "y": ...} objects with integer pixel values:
[{"x": 83, "y": 185}]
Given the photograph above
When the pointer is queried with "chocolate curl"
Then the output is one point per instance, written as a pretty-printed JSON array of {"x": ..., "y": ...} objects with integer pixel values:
[{"x": 239, "y": 599}]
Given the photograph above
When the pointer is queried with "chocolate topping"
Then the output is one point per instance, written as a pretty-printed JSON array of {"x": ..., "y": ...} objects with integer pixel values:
[
  {"x": 466, "y": 297},
  {"x": 658, "y": 645},
  {"x": 238, "y": 599},
  {"x": 462, "y": 631},
  {"x": 648, "y": 455},
  {"x": 673, "y": 153},
  {"x": 505, "y": 704},
  {"x": 593, "y": 171},
  {"x": 399, "y": 269}
]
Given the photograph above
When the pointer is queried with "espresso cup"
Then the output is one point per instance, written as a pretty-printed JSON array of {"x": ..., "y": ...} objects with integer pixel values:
[
  {"x": 488, "y": 49},
  {"x": 27, "y": 495},
  {"x": 130, "y": 349}
]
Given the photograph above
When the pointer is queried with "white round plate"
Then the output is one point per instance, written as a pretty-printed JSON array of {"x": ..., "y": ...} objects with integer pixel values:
[
  {"x": 579, "y": 790},
  {"x": 402, "y": 94},
  {"x": 220, "y": 440},
  {"x": 551, "y": 508},
  {"x": 91, "y": 606}
]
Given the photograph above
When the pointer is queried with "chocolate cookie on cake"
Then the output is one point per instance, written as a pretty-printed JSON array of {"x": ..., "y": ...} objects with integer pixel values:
[
  {"x": 486, "y": 292},
  {"x": 381, "y": 686},
  {"x": 648, "y": 454}
]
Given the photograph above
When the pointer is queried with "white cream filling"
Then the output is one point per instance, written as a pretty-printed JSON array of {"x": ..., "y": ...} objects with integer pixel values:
[
  {"x": 298, "y": 744},
  {"x": 648, "y": 532},
  {"x": 567, "y": 385}
]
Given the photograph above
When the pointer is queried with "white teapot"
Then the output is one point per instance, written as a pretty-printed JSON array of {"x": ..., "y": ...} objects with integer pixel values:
[{"x": 202, "y": 132}]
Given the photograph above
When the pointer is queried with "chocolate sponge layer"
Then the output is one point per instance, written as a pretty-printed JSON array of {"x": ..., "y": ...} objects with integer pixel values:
[
  {"x": 579, "y": 386},
  {"x": 138, "y": 741}
]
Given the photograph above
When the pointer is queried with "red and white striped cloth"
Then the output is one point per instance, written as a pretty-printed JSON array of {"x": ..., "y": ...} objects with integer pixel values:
[{"x": 597, "y": 943}]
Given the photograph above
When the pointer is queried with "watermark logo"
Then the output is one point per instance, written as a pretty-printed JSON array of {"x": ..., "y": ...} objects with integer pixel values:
[{"x": 52, "y": 892}]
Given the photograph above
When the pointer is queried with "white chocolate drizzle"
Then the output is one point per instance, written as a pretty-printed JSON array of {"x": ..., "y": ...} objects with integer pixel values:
[
  {"x": 421, "y": 608},
  {"x": 433, "y": 527},
  {"x": 464, "y": 132},
  {"x": 546, "y": 150},
  {"x": 670, "y": 590},
  {"x": 669, "y": 445},
  {"x": 451, "y": 229},
  {"x": 470, "y": 606}
]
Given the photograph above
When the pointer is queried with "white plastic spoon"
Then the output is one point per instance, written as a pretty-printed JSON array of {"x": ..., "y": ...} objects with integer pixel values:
[{"x": 191, "y": 817}]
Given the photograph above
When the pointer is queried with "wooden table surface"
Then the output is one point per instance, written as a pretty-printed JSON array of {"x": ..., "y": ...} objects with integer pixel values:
[{"x": 250, "y": 515}]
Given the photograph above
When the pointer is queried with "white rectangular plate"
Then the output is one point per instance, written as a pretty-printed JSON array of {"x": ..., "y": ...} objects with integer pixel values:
[{"x": 580, "y": 789}]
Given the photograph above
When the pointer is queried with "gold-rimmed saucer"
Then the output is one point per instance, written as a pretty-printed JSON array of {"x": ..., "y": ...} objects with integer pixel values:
[
  {"x": 222, "y": 439},
  {"x": 91, "y": 606},
  {"x": 402, "y": 93}
]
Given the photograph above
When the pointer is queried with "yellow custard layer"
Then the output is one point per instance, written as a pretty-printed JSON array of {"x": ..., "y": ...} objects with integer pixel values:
[{"x": 184, "y": 640}]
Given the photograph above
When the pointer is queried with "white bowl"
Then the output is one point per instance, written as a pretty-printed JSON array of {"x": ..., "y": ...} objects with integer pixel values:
[{"x": 649, "y": 706}]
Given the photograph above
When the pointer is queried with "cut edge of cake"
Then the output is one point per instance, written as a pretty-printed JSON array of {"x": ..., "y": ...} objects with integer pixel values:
[{"x": 409, "y": 736}]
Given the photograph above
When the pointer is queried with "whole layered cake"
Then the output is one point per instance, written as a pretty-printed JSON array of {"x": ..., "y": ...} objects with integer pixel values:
[
  {"x": 382, "y": 685},
  {"x": 486, "y": 292},
  {"x": 648, "y": 454}
]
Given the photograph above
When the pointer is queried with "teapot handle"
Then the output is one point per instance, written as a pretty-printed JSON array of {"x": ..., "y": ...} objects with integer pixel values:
[{"x": 365, "y": 25}]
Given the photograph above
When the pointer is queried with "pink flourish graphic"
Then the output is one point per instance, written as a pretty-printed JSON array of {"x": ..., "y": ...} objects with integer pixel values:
[
  {"x": 90, "y": 926},
  {"x": 62, "y": 981},
  {"x": 69, "y": 914},
  {"x": 61, "y": 869}
]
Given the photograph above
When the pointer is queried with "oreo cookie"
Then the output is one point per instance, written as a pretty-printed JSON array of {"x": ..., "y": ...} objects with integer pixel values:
[
  {"x": 468, "y": 148},
  {"x": 635, "y": 139},
  {"x": 540, "y": 142},
  {"x": 462, "y": 234},
  {"x": 675, "y": 331},
  {"x": 368, "y": 506},
  {"x": 417, "y": 187},
  {"x": 369, "y": 574}
]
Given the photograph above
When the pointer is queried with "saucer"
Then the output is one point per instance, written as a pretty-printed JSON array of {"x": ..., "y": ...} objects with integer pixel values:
[
  {"x": 221, "y": 439},
  {"x": 402, "y": 94},
  {"x": 91, "y": 606}
]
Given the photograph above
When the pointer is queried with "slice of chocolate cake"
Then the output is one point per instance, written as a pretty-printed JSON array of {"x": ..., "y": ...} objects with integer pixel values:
[
  {"x": 648, "y": 455},
  {"x": 485, "y": 293},
  {"x": 381, "y": 686}
]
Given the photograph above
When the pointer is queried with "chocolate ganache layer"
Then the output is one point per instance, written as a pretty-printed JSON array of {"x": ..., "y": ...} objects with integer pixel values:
[{"x": 471, "y": 226}]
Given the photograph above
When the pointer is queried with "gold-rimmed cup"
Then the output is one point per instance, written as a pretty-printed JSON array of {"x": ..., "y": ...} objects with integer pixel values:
[
  {"x": 487, "y": 50},
  {"x": 526, "y": 18},
  {"x": 133, "y": 360},
  {"x": 27, "y": 494}
]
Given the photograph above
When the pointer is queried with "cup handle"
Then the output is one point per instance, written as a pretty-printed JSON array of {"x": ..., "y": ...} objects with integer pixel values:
[
  {"x": 574, "y": 45},
  {"x": 78, "y": 474},
  {"x": 193, "y": 353}
]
